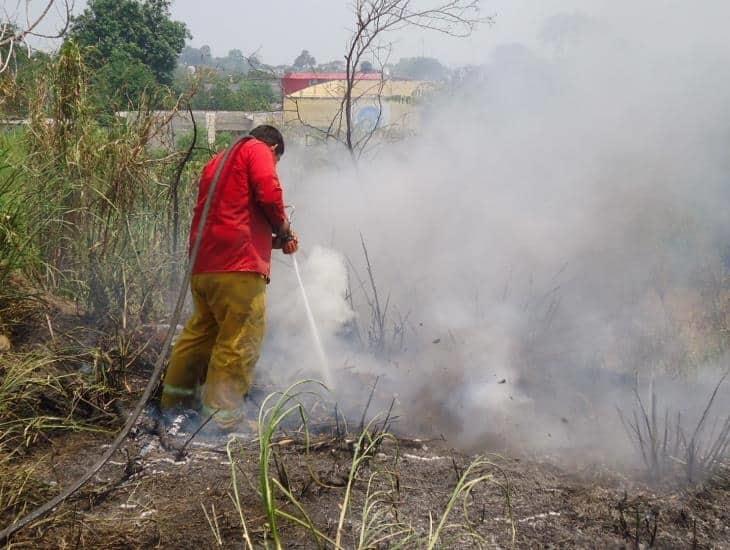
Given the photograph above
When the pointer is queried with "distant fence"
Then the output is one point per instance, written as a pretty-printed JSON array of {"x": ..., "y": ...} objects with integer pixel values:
[{"x": 209, "y": 123}]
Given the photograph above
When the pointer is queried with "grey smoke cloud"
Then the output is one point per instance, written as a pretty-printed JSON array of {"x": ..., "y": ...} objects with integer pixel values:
[{"x": 549, "y": 235}]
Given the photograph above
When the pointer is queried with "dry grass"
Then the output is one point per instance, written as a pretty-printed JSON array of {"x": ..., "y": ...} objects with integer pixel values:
[
  {"x": 666, "y": 445},
  {"x": 84, "y": 197},
  {"x": 41, "y": 393}
]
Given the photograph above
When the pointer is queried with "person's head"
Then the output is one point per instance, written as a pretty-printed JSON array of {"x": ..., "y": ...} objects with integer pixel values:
[{"x": 271, "y": 137}]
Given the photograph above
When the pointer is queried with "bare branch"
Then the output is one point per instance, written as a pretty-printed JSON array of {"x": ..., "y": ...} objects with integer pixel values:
[
  {"x": 375, "y": 18},
  {"x": 13, "y": 35},
  {"x": 65, "y": 18},
  {"x": 326, "y": 134}
]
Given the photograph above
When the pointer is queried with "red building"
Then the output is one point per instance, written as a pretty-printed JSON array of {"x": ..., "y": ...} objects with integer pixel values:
[{"x": 293, "y": 82}]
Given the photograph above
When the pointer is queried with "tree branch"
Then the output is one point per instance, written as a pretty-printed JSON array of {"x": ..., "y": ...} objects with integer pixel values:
[{"x": 12, "y": 35}]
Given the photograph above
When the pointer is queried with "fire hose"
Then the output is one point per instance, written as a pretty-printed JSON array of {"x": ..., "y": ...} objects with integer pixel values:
[{"x": 44, "y": 509}]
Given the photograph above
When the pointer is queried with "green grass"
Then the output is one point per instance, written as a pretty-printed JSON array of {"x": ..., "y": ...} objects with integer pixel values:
[
  {"x": 275, "y": 409},
  {"x": 376, "y": 496}
]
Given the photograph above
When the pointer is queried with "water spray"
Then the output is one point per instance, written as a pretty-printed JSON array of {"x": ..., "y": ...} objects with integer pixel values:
[{"x": 324, "y": 364}]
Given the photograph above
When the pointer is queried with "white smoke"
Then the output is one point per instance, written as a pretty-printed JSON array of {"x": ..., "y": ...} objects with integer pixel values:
[
  {"x": 325, "y": 276},
  {"x": 549, "y": 234}
]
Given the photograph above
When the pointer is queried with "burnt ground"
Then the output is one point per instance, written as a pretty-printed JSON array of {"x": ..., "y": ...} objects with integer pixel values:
[{"x": 151, "y": 496}]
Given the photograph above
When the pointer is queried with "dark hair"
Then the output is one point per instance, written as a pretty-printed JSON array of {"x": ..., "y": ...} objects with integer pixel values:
[{"x": 269, "y": 135}]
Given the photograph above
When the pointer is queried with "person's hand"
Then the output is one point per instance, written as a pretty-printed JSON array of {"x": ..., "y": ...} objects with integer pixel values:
[
  {"x": 291, "y": 245},
  {"x": 277, "y": 243},
  {"x": 284, "y": 234}
]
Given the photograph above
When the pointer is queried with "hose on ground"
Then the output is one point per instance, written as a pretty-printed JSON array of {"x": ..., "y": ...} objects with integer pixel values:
[{"x": 44, "y": 509}]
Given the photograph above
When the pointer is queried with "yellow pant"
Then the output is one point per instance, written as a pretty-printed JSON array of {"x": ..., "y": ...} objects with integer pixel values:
[{"x": 219, "y": 346}]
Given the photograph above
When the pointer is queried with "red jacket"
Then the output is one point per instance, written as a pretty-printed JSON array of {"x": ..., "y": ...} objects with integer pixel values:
[{"x": 248, "y": 207}]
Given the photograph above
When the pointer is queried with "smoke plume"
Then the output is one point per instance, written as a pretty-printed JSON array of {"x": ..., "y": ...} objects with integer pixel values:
[{"x": 557, "y": 230}]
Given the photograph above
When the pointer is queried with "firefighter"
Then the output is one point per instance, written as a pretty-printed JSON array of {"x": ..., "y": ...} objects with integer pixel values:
[{"x": 212, "y": 364}]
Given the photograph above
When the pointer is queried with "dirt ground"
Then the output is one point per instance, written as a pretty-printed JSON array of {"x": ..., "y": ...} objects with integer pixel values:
[{"x": 152, "y": 496}]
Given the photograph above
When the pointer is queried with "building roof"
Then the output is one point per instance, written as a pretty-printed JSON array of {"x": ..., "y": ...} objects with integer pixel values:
[
  {"x": 330, "y": 76},
  {"x": 293, "y": 82}
]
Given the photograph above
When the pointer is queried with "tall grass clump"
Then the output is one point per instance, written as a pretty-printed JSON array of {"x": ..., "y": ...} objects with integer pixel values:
[
  {"x": 84, "y": 220},
  {"x": 276, "y": 408},
  {"x": 673, "y": 448},
  {"x": 95, "y": 195}
]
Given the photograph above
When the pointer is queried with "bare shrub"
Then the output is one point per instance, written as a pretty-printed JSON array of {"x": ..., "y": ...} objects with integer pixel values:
[{"x": 664, "y": 444}]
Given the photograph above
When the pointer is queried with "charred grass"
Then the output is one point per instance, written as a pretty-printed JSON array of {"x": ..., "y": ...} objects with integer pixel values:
[
  {"x": 48, "y": 393},
  {"x": 212, "y": 498},
  {"x": 316, "y": 478}
]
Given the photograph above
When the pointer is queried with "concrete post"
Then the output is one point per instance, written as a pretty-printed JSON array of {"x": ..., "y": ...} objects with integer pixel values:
[{"x": 210, "y": 125}]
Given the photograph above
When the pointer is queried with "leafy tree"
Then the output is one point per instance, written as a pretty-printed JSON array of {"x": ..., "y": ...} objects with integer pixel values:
[
  {"x": 140, "y": 31},
  {"x": 228, "y": 93},
  {"x": 122, "y": 81},
  {"x": 234, "y": 63},
  {"x": 19, "y": 79},
  {"x": 206, "y": 55},
  {"x": 11, "y": 53},
  {"x": 194, "y": 57},
  {"x": 304, "y": 61},
  {"x": 420, "y": 68},
  {"x": 335, "y": 66}
]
